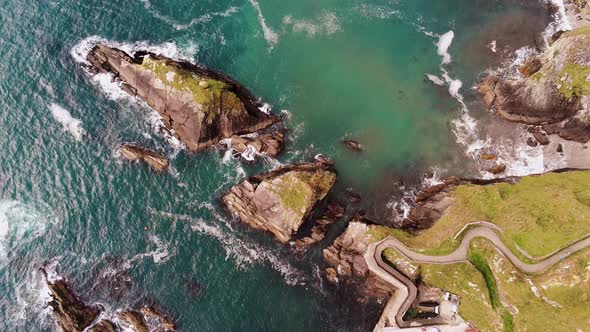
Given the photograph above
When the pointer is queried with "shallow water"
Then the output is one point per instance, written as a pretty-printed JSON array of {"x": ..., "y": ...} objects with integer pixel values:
[{"x": 123, "y": 235}]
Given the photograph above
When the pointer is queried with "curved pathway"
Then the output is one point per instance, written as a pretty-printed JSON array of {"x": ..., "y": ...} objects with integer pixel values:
[{"x": 406, "y": 291}]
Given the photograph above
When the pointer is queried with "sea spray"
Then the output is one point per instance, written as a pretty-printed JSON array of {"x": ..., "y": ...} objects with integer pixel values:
[{"x": 68, "y": 122}]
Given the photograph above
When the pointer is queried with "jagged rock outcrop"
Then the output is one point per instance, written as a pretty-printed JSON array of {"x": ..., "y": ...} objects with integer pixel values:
[
  {"x": 73, "y": 315},
  {"x": 103, "y": 326},
  {"x": 133, "y": 320},
  {"x": 199, "y": 105},
  {"x": 270, "y": 144},
  {"x": 153, "y": 159},
  {"x": 346, "y": 261},
  {"x": 333, "y": 212},
  {"x": 70, "y": 314},
  {"x": 280, "y": 201},
  {"x": 554, "y": 92}
]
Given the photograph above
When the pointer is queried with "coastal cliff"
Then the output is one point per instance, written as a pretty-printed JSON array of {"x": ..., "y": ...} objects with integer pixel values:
[
  {"x": 346, "y": 262},
  {"x": 199, "y": 105},
  {"x": 553, "y": 92},
  {"x": 281, "y": 201}
]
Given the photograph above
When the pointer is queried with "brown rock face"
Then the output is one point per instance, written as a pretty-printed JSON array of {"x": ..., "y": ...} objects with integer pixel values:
[
  {"x": 554, "y": 91},
  {"x": 268, "y": 144},
  {"x": 280, "y": 201},
  {"x": 133, "y": 320},
  {"x": 154, "y": 160},
  {"x": 103, "y": 326},
  {"x": 319, "y": 230},
  {"x": 70, "y": 314},
  {"x": 530, "y": 67},
  {"x": 165, "y": 324},
  {"x": 199, "y": 105},
  {"x": 345, "y": 258}
]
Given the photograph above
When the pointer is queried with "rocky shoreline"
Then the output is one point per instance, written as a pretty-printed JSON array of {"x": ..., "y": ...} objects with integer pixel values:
[
  {"x": 204, "y": 108},
  {"x": 73, "y": 315}
]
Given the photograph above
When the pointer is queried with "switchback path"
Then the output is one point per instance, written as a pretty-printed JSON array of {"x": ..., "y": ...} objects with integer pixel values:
[{"x": 406, "y": 291}]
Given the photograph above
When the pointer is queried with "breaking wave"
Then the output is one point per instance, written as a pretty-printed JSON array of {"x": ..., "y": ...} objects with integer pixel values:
[
  {"x": 20, "y": 224},
  {"x": 239, "y": 249},
  {"x": 68, "y": 122}
]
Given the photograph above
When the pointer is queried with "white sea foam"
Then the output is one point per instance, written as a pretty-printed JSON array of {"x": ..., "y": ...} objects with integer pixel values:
[
  {"x": 19, "y": 224},
  {"x": 325, "y": 24},
  {"x": 250, "y": 153},
  {"x": 272, "y": 38},
  {"x": 435, "y": 79},
  {"x": 68, "y": 122},
  {"x": 201, "y": 19},
  {"x": 443, "y": 44},
  {"x": 381, "y": 12},
  {"x": 112, "y": 87},
  {"x": 560, "y": 20},
  {"x": 266, "y": 108},
  {"x": 493, "y": 46},
  {"x": 169, "y": 49}
]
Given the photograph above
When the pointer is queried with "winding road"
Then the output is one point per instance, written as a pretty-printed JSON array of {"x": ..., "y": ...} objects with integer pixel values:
[{"x": 406, "y": 291}]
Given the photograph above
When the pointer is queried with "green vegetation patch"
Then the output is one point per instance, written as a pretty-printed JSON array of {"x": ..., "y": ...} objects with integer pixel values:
[
  {"x": 182, "y": 80},
  {"x": 558, "y": 298},
  {"x": 540, "y": 214},
  {"x": 575, "y": 80},
  {"x": 298, "y": 191},
  {"x": 482, "y": 266}
]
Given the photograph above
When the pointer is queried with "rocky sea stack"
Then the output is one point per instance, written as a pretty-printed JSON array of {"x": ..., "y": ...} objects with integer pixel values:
[
  {"x": 199, "y": 105},
  {"x": 554, "y": 91},
  {"x": 281, "y": 201}
]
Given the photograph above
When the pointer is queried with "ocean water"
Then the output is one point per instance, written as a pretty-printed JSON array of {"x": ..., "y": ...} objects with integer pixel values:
[{"x": 346, "y": 69}]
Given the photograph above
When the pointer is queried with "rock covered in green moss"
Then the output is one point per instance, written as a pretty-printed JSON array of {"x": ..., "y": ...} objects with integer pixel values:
[
  {"x": 199, "y": 105},
  {"x": 281, "y": 201},
  {"x": 553, "y": 92}
]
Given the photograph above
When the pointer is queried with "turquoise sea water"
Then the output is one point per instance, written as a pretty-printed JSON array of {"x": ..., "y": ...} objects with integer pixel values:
[{"x": 124, "y": 235}]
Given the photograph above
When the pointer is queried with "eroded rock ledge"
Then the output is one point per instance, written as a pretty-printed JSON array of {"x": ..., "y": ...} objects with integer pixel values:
[
  {"x": 73, "y": 315},
  {"x": 345, "y": 258},
  {"x": 153, "y": 159},
  {"x": 199, "y": 105},
  {"x": 281, "y": 201},
  {"x": 553, "y": 92}
]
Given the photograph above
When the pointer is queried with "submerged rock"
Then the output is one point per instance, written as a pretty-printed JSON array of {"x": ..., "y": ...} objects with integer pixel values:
[
  {"x": 280, "y": 201},
  {"x": 70, "y": 314},
  {"x": 353, "y": 145},
  {"x": 554, "y": 92},
  {"x": 153, "y": 159},
  {"x": 199, "y": 105}
]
